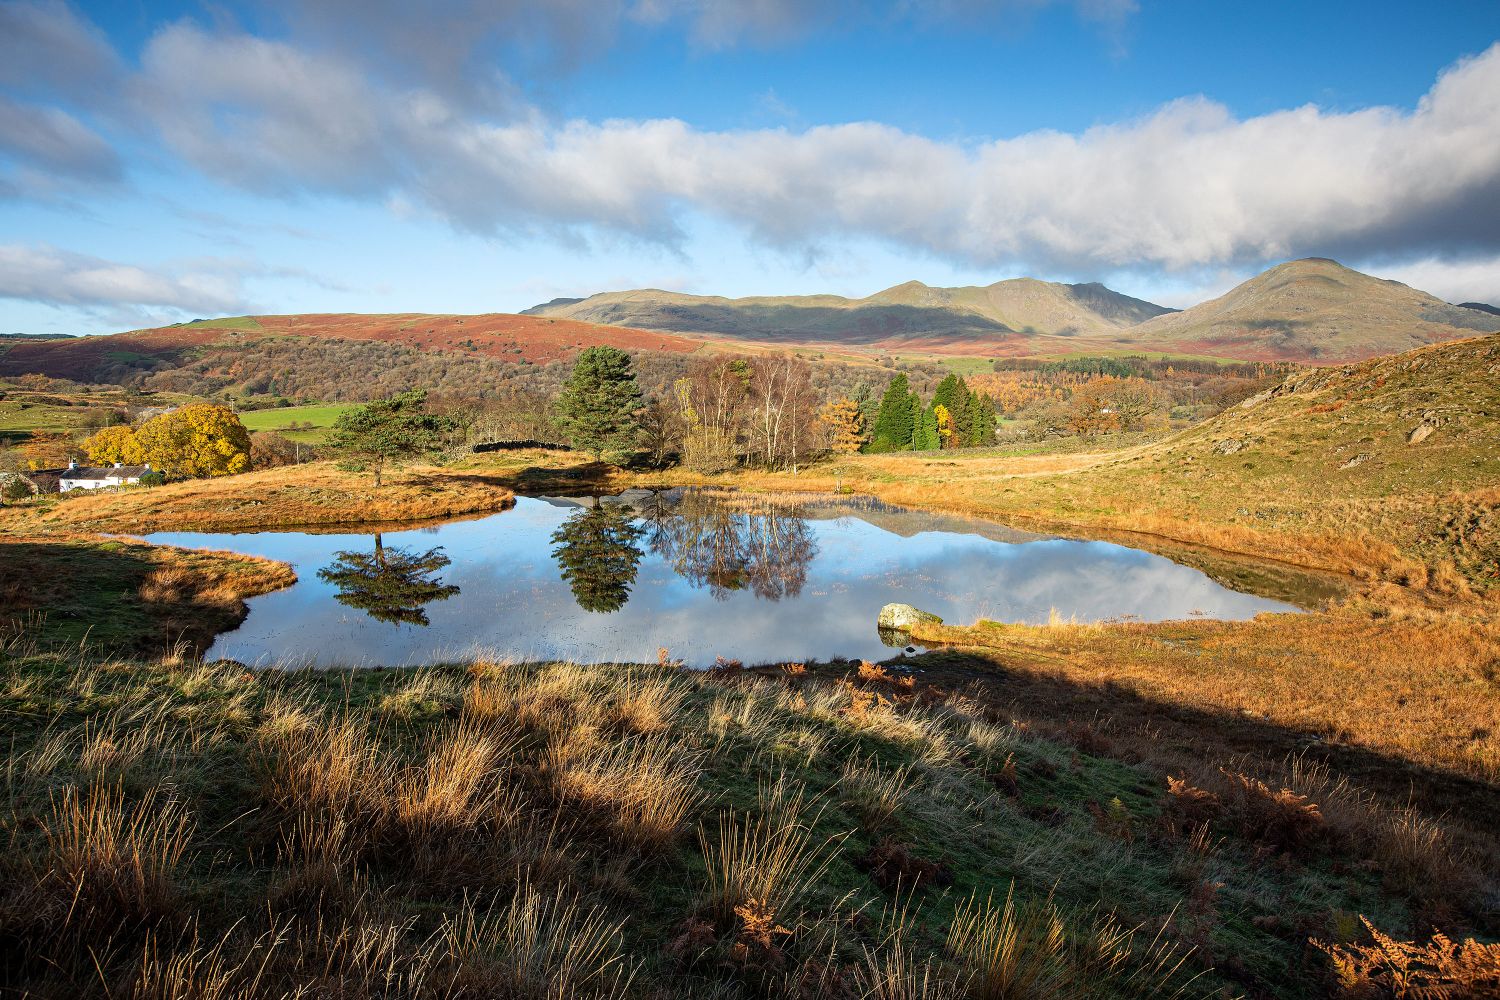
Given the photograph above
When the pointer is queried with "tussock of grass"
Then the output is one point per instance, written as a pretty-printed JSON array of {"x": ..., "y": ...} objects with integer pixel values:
[
  {"x": 771, "y": 856},
  {"x": 112, "y": 862}
]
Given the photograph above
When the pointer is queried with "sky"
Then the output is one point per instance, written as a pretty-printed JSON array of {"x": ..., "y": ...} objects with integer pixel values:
[{"x": 162, "y": 161}]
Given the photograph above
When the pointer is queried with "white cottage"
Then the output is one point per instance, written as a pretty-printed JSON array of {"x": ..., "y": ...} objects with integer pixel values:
[{"x": 89, "y": 477}]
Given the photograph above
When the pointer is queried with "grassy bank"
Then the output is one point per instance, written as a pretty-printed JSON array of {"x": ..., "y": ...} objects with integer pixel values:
[
  {"x": 553, "y": 830},
  {"x": 318, "y": 493},
  {"x": 124, "y": 595}
]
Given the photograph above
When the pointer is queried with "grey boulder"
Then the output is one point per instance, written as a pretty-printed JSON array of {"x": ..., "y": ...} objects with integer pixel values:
[{"x": 904, "y": 616}]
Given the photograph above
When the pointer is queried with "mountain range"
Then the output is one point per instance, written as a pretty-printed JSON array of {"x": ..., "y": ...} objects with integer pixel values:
[{"x": 1312, "y": 310}]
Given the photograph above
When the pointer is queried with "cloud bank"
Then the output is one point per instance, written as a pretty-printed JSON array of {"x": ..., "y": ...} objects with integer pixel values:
[{"x": 1189, "y": 185}]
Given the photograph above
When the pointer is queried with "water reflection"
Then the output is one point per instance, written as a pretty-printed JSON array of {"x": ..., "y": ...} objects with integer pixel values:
[
  {"x": 724, "y": 548},
  {"x": 390, "y": 584},
  {"x": 596, "y": 551},
  {"x": 613, "y": 579}
]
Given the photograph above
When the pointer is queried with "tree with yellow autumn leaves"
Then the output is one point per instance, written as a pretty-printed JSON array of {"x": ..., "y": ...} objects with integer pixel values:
[
  {"x": 114, "y": 444},
  {"x": 846, "y": 426},
  {"x": 192, "y": 442}
]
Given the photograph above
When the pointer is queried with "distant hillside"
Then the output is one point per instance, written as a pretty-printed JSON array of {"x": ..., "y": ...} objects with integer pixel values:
[
  {"x": 1483, "y": 307},
  {"x": 503, "y": 336},
  {"x": 904, "y": 315},
  {"x": 1312, "y": 310}
]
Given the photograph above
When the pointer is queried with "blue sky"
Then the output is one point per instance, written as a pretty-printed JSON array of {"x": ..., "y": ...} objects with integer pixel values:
[{"x": 160, "y": 161}]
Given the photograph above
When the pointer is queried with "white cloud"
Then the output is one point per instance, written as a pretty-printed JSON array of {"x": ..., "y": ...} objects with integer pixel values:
[
  {"x": 1455, "y": 281},
  {"x": 57, "y": 277},
  {"x": 390, "y": 114},
  {"x": 1187, "y": 186}
]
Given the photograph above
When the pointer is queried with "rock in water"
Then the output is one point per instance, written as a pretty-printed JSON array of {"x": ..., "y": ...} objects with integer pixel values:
[{"x": 903, "y": 616}]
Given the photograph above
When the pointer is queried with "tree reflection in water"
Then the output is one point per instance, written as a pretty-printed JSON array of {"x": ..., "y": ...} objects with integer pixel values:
[
  {"x": 596, "y": 551},
  {"x": 391, "y": 584},
  {"x": 725, "y": 546}
]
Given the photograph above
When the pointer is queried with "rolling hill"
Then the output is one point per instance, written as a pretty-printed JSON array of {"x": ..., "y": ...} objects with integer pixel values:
[
  {"x": 908, "y": 315},
  {"x": 1312, "y": 310},
  {"x": 505, "y": 336}
]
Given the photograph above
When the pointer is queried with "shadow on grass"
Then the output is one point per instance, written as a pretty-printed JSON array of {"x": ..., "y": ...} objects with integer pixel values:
[
  {"x": 536, "y": 479},
  {"x": 1180, "y": 736},
  {"x": 126, "y": 597}
]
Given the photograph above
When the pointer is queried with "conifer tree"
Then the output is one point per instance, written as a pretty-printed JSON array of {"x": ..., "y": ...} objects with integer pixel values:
[
  {"x": 846, "y": 426},
  {"x": 893, "y": 422},
  {"x": 982, "y": 433},
  {"x": 953, "y": 394},
  {"x": 386, "y": 430},
  {"x": 927, "y": 431},
  {"x": 598, "y": 403}
]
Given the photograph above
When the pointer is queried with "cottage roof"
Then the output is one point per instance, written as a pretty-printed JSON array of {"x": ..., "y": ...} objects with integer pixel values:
[{"x": 105, "y": 472}]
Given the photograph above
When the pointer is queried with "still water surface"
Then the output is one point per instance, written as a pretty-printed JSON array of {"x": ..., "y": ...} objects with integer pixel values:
[{"x": 614, "y": 579}]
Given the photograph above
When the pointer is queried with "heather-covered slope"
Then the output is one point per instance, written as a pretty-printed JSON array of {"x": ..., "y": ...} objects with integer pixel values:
[{"x": 497, "y": 335}]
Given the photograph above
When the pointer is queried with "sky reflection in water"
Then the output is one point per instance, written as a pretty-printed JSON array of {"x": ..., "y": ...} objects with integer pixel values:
[{"x": 687, "y": 572}]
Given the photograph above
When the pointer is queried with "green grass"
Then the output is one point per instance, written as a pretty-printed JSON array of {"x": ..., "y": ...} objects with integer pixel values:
[
  {"x": 226, "y": 323},
  {"x": 20, "y": 418},
  {"x": 120, "y": 595},
  {"x": 320, "y": 415},
  {"x": 968, "y": 365}
]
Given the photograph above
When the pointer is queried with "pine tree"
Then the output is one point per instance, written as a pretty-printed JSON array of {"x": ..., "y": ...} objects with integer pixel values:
[
  {"x": 893, "y": 422},
  {"x": 927, "y": 431},
  {"x": 954, "y": 395},
  {"x": 947, "y": 393},
  {"x": 598, "y": 403},
  {"x": 963, "y": 414},
  {"x": 387, "y": 430},
  {"x": 983, "y": 433}
]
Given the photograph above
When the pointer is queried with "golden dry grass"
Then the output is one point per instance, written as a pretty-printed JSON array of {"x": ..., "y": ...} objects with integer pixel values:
[
  {"x": 1418, "y": 686},
  {"x": 318, "y": 493}
]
